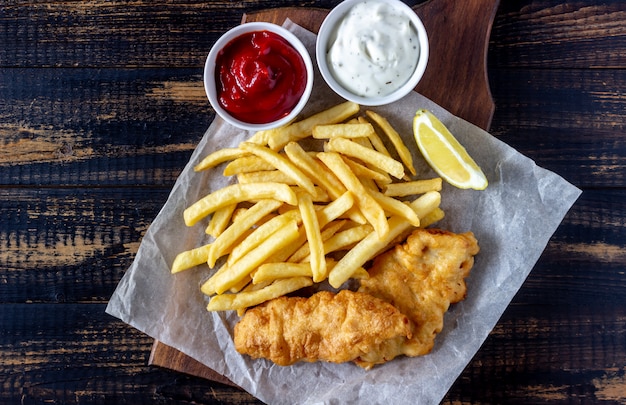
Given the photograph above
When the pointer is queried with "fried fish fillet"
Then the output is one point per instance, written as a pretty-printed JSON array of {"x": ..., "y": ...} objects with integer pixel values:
[
  {"x": 421, "y": 278},
  {"x": 329, "y": 327}
]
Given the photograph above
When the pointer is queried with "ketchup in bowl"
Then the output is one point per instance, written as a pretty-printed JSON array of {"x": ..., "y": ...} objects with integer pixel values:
[{"x": 260, "y": 77}]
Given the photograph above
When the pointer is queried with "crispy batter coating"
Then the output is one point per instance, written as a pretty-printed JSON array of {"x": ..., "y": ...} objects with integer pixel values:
[
  {"x": 326, "y": 326},
  {"x": 421, "y": 278}
]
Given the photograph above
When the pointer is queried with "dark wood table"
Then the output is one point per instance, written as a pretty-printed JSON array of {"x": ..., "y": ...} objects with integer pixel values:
[{"x": 101, "y": 105}]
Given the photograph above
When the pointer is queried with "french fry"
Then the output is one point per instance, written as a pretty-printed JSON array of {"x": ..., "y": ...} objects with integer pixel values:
[
  {"x": 239, "y": 227},
  {"x": 362, "y": 171},
  {"x": 435, "y": 215},
  {"x": 305, "y": 250},
  {"x": 369, "y": 207},
  {"x": 312, "y": 168},
  {"x": 265, "y": 176},
  {"x": 227, "y": 302},
  {"x": 313, "y": 235},
  {"x": 220, "y": 219},
  {"x": 344, "y": 239},
  {"x": 367, "y": 155},
  {"x": 394, "y": 137},
  {"x": 281, "y": 163},
  {"x": 343, "y": 130},
  {"x": 375, "y": 140},
  {"x": 426, "y": 203},
  {"x": 236, "y": 193},
  {"x": 302, "y": 129},
  {"x": 190, "y": 258},
  {"x": 275, "y": 271},
  {"x": 320, "y": 174},
  {"x": 416, "y": 187},
  {"x": 261, "y": 233},
  {"x": 335, "y": 209},
  {"x": 246, "y": 164},
  {"x": 217, "y": 157},
  {"x": 244, "y": 266},
  {"x": 396, "y": 207}
]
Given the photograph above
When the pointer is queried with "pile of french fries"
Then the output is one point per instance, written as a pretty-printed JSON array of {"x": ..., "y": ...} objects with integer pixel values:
[{"x": 296, "y": 217}]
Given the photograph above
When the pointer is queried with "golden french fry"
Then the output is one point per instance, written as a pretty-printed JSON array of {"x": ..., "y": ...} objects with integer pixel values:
[
  {"x": 313, "y": 235},
  {"x": 343, "y": 130},
  {"x": 415, "y": 187},
  {"x": 304, "y": 250},
  {"x": 302, "y": 129},
  {"x": 239, "y": 227},
  {"x": 320, "y": 196},
  {"x": 275, "y": 271},
  {"x": 335, "y": 208},
  {"x": 240, "y": 286},
  {"x": 261, "y": 233},
  {"x": 426, "y": 203},
  {"x": 190, "y": 258},
  {"x": 372, "y": 244},
  {"x": 226, "y": 302},
  {"x": 246, "y": 164},
  {"x": 396, "y": 140},
  {"x": 435, "y": 215},
  {"x": 362, "y": 171},
  {"x": 236, "y": 193},
  {"x": 367, "y": 155},
  {"x": 244, "y": 266},
  {"x": 274, "y": 176},
  {"x": 344, "y": 239},
  {"x": 396, "y": 207},
  {"x": 261, "y": 137},
  {"x": 312, "y": 168},
  {"x": 320, "y": 174},
  {"x": 364, "y": 251},
  {"x": 375, "y": 140},
  {"x": 217, "y": 157},
  {"x": 369, "y": 207},
  {"x": 281, "y": 163},
  {"x": 220, "y": 220}
]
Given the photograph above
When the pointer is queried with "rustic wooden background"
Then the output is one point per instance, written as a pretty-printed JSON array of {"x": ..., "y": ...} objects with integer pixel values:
[{"x": 101, "y": 105}]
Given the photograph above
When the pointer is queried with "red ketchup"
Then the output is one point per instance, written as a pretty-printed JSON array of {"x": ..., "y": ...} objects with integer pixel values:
[{"x": 260, "y": 77}]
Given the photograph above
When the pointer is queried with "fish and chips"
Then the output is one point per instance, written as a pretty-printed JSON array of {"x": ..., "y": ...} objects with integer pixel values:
[{"x": 320, "y": 244}]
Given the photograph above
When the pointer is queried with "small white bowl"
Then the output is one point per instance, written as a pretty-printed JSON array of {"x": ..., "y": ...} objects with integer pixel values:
[
  {"x": 210, "y": 85},
  {"x": 327, "y": 33}
]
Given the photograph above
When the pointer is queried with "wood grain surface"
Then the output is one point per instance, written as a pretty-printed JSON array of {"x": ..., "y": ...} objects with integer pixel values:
[{"x": 101, "y": 105}]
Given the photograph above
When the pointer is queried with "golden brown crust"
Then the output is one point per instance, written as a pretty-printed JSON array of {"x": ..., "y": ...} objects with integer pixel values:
[
  {"x": 329, "y": 327},
  {"x": 421, "y": 278}
]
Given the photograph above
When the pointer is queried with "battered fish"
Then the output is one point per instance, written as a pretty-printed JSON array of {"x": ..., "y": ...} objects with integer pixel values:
[
  {"x": 326, "y": 326},
  {"x": 421, "y": 278}
]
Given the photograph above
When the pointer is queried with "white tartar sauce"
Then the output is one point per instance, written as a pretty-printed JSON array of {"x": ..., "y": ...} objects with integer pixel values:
[{"x": 375, "y": 49}]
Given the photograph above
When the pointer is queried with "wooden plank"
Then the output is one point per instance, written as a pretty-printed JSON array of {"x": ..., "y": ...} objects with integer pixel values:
[
  {"x": 112, "y": 127},
  {"x": 572, "y": 35},
  {"x": 76, "y": 354},
  {"x": 575, "y": 128},
  {"x": 70, "y": 244}
]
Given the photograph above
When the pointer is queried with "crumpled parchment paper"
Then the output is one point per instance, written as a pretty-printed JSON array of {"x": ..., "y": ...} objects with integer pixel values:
[{"x": 513, "y": 220}]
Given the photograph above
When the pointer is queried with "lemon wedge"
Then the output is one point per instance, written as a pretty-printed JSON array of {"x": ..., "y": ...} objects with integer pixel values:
[{"x": 445, "y": 154}]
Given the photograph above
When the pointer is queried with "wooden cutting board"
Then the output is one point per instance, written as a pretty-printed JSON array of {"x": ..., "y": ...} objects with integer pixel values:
[{"x": 456, "y": 79}]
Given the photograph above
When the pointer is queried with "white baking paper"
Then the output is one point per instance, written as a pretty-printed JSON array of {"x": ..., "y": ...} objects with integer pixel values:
[{"x": 513, "y": 220}]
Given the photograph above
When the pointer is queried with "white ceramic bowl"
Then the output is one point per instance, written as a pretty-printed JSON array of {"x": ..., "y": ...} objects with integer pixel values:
[
  {"x": 210, "y": 85},
  {"x": 327, "y": 32}
]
